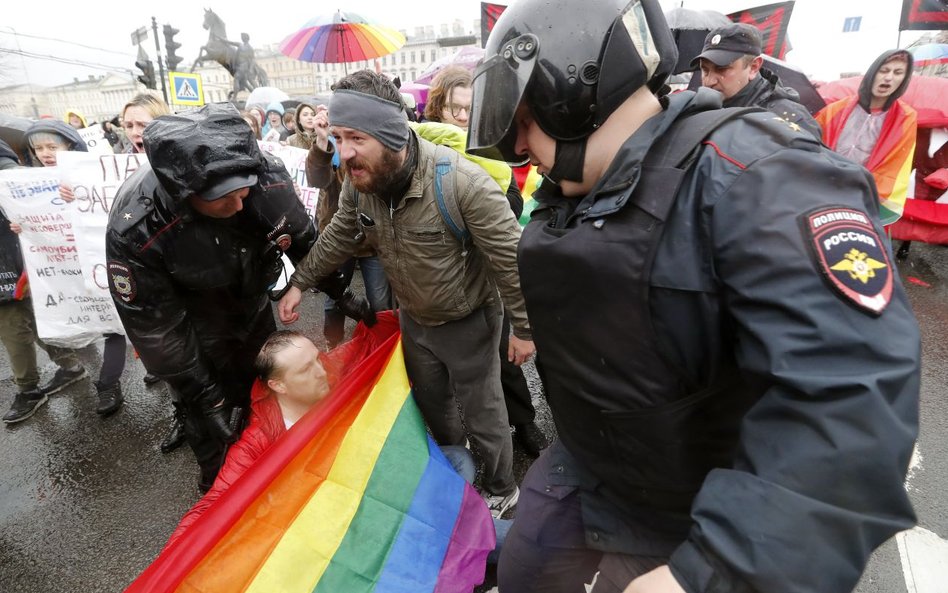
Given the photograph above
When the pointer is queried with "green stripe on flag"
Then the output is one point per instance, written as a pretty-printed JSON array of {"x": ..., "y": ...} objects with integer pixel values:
[{"x": 361, "y": 556}]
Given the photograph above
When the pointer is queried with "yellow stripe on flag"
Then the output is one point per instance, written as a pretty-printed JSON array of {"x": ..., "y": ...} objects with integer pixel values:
[{"x": 300, "y": 558}]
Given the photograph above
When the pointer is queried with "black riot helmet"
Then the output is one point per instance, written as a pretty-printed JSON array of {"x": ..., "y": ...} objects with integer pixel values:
[{"x": 573, "y": 62}]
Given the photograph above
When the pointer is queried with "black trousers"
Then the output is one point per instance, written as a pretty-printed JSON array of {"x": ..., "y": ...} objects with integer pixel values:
[
  {"x": 546, "y": 550},
  {"x": 520, "y": 408}
]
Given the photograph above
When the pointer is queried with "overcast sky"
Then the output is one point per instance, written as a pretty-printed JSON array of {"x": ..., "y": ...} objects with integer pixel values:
[{"x": 820, "y": 47}]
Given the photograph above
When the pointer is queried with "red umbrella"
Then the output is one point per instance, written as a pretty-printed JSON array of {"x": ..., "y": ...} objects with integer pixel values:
[{"x": 925, "y": 94}]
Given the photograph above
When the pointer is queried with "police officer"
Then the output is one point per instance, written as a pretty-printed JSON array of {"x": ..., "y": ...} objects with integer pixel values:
[
  {"x": 736, "y": 390},
  {"x": 194, "y": 241}
]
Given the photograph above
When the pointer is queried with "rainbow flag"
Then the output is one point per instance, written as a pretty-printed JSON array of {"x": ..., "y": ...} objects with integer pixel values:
[{"x": 355, "y": 498}]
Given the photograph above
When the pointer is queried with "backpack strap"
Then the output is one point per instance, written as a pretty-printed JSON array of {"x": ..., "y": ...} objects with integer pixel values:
[
  {"x": 446, "y": 197},
  {"x": 679, "y": 144}
]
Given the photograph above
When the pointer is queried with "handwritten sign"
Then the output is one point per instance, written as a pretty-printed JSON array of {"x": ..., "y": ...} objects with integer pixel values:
[
  {"x": 94, "y": 137},
  {"x": 67, "y": 314},
  {"x": 95, "y": 181},
  {"x": 294, "y": 159}
]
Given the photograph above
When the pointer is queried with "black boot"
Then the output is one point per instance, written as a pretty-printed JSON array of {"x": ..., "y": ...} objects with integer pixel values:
[
  {"x": 531, "y": 438},
  {"x": 110, "y": 398},
  {"x": 334, "y": 327},
  {"x": 175, "y": 436}
]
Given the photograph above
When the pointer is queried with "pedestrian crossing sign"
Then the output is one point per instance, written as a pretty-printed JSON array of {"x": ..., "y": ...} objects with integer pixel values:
[{"x": 186, "y": 89}]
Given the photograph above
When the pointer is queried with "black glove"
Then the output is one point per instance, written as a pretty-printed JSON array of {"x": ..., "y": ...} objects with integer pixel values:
[
  {"x": 356, "y": 307},
  {"x": 337, "y": 288},
  {"x": 217, "y": 421}
]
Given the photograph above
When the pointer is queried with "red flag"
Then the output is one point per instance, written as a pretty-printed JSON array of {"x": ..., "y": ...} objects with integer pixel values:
[
  {"x": 489, "y": 15},
  {"x": 772, "y": 20},
  {"x": 925, "y": 15}
]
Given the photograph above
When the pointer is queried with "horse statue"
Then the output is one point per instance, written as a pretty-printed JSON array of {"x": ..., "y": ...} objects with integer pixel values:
[{"x": 237, "y": 58}]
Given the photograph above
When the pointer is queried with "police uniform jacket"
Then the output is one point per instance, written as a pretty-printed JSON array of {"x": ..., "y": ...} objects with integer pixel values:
[
  {"x": 733, "y": 368},
  {"x": 766, "y": 91},
  {"x": 191, "y": 290}
]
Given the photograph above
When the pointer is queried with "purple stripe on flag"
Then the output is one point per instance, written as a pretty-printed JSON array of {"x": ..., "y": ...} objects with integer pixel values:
[{"x": 472, "y": 540}]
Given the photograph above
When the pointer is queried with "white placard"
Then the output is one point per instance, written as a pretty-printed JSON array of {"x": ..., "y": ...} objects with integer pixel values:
[
  {"x": 294, "y": 159},
  {"x": 95, "y": 181},
  {"x": 94, "y": 137},
  {"x": 67, "y": 314}
]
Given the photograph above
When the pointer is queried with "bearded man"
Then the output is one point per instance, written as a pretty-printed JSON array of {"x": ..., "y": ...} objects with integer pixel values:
[{"x": 447, "y": 287}]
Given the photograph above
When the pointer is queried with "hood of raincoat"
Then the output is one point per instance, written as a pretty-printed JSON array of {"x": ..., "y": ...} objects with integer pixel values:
[
  {"x": 6, "y": 156},
  {"x": 865, "y": 88},
  {"x": 193, "y": 151},
  {"x": 81, "y": 117},
  {"x": 454, "y": 137},
  {"x": 51, "y": 126}
]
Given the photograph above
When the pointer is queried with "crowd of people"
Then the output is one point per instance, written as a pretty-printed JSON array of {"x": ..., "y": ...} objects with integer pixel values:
[{"x": 706, "y": 284}]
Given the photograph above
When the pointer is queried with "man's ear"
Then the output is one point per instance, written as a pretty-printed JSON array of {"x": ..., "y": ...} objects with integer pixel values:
[
  {"x": 755, "y": 66},
  {"x": 276, "y": 386}
]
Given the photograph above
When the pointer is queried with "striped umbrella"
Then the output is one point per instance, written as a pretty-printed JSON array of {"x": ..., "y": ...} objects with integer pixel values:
[{"x": 340, "y": 38}]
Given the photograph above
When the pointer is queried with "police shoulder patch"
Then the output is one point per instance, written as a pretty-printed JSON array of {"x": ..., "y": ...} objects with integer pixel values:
[
  {"x": 121, "y": 281},
  {"x": 851, "y": 256}
]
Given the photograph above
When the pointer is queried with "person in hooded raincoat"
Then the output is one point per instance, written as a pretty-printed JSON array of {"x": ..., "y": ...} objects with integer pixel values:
[
  {"x": 877, "y": 130},
  {"x": 194, "y": 242},
  {"x": 75, "y": 119}
]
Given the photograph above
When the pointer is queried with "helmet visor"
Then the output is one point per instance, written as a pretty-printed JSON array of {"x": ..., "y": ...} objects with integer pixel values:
[{"x": 499, "y": 86}]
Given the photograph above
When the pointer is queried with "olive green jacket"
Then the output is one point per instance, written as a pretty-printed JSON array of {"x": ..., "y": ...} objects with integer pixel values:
[{"x": 435, "y": 278}]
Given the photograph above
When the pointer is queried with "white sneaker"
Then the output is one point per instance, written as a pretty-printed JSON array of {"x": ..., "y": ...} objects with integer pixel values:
[{"x": 500, "y": 504}]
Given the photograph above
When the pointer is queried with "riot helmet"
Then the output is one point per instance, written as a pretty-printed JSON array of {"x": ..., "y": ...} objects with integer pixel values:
[{"x": 573, "y": 63}]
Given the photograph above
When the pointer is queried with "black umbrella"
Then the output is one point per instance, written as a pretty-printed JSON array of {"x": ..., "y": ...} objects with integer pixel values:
[
  {"x": 689, "y": 28},
  {"x": 11, "y": 132}
]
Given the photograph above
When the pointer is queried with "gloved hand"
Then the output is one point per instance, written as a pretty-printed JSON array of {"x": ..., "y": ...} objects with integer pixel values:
[
  {"x": 352, "y": 305},
  {"x": 357, "y": 307},
  {"x": 217, "y": 421}
]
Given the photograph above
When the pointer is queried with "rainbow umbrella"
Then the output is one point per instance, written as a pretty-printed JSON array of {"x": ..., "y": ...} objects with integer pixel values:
[{"x": 340, "y": 38}]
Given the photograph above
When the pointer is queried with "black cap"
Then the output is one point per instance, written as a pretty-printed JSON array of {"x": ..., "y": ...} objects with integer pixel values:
[
  {"x": 208, "y": 152},
  {"x": 728, "y": 43},
  {"x": 219, "y": 189}
]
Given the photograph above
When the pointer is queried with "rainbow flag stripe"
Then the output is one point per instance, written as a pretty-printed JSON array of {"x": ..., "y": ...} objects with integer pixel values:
[{"x": 356, "y": 498}]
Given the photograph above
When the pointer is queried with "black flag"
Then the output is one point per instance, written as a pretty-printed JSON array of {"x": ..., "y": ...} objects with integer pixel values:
[
  {"x": 924, "y": 15},
  {"x": 489, "y": 15},
  {"x": 772, "y": 21}
]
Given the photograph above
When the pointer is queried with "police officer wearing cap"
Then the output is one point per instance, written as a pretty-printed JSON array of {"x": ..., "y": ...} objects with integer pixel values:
[
  {"x": 194, "y": 242},
  {"x": 731, "y": 63},
  {"x": 729, "y": 356}
]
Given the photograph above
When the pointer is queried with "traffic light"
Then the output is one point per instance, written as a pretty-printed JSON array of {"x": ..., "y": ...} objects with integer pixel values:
[
  {"x": 147, "y": 76},
  {"x": 172, "y": 59}
]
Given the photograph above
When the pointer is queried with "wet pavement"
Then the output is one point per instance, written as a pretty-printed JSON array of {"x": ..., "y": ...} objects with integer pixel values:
[{"x": 86, "y": 503}]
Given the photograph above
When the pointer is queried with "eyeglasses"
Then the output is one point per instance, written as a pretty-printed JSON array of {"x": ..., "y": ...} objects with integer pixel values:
[{"x": 457, "y": 109}]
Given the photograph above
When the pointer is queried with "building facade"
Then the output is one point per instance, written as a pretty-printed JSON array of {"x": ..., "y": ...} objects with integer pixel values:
[{"x": 99, "y": 98}]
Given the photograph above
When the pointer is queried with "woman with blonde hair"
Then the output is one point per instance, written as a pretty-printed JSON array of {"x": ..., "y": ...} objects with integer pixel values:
[{"x": 137, "y": 114}]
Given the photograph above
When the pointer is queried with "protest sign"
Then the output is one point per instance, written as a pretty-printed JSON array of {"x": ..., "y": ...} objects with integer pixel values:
[
  {"x": 294, "y": 159},
  {"x": 95, "y": 181},
  {"x": 67, "y": 314},
  {"x": 94, "y": 137}
]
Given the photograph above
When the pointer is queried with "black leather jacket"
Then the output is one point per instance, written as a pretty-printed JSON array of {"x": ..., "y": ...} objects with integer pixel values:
[
  {"x": 720, "y": 396},
  {"x": 191, "y": 290}
]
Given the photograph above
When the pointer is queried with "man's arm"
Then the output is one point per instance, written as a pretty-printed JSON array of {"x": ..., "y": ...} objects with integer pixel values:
[
  {"x": 496, "y": 233},
  {"x": 336, "y": 244},
  {"x": 817, "y": 483}
]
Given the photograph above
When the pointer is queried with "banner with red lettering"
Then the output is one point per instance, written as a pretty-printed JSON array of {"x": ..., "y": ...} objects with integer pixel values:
[
  {"x": 772, "y": 20},
  {"x": 67, "y": 313},
  {"x": 95, "y": 181},
  {"x": 924, "y": 15}
]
